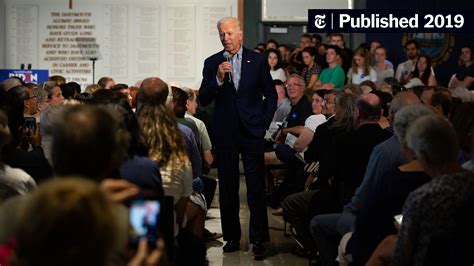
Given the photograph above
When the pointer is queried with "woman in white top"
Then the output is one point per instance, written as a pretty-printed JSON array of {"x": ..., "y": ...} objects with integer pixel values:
[
  {"x": 311, "y": 123},
  {"x": 361, "y": 69},
  {"x": 167, "y": 147},
  {"x": 423, "y": 71},
  {"x": 382, "y": 69},
  {"x": 275, "y": 63}
]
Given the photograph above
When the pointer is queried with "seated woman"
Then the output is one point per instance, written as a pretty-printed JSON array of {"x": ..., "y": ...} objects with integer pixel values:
[
  {"x": 299, "y": 208},
  {"x": 275, "y": 63},
  {"x": 430, "y": 212},
  {"x": 294, "y": 144},
  {"x": 381, "y": 67},
  {"x": 166, "y": 147},
  {"x": 423, "y": 71},
  {"x": 361, "y": 69},
  {"x": 311, "y": 71},
  {"x": 311, "y": 123}
]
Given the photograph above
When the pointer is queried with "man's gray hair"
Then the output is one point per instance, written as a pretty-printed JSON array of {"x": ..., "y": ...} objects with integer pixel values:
[
  {"x": 433, "y": 138},
  {"x": 41, "y": 94},
  {"x": 48, "y": 87},
  {"x": 49, "y": 117},
  {"x": 10, "y": 83},
  {"x": 229, "y": 19},
  {"x": 406, "y": 116},
  {"x": 300, "y": 79}
]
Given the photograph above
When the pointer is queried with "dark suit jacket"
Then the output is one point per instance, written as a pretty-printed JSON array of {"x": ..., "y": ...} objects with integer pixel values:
[
  {"x": 351, "y": 154},
  {"x": 243, "y": 111}
]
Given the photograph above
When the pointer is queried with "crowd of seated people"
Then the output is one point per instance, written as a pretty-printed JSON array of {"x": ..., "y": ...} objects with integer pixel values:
[
  {"x": 99, "y": 136},
  {"x": 344, "y": 185},
  {"x": 359, "y": 138}
]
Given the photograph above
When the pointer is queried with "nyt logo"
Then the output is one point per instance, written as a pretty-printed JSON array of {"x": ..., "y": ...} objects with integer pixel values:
[{"x": 320, "y": 21}]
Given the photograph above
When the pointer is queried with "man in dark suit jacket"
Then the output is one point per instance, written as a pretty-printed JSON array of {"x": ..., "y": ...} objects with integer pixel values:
[{"x": 245, "y": 100}]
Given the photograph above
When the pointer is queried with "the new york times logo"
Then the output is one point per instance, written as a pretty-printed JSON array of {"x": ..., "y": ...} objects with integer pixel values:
[
  {"x": 320, "y": 21},
  {"x": 365, "y": 21}
]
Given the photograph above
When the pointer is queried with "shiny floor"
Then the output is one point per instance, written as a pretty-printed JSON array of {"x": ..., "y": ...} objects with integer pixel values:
[{"x": 278, "y": 250}]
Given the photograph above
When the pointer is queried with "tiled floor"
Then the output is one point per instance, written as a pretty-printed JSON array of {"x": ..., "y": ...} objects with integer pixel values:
[{"x": 277, "y": 250}]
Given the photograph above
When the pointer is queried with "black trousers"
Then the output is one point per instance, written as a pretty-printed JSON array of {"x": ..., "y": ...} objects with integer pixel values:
[
  {"x": 210, "y": 185},
  {"x": 251, "y": 150}
]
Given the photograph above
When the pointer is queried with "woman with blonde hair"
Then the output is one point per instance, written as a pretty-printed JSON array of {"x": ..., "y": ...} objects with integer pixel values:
[
  {"x": 361, "y": 69},
  {"x": 166, "y": 146}
]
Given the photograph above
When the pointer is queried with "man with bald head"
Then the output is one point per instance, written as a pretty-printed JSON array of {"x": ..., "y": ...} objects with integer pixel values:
[
  {"x": 238, "y": 81},
  {"x": 152, "y": 91},
  {"x": 384, "y": 156}
]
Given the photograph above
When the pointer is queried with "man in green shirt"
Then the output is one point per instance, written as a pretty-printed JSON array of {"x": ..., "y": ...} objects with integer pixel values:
[{"x": 333, "y": 76}]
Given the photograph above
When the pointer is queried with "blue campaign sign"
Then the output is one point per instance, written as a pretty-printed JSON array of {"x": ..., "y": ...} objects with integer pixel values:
[{"x": 33, "y": 75}]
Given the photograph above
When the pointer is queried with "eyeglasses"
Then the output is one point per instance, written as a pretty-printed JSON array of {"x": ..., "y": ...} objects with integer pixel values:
[
  {"x": 293, "y": 85},
  {"x": 328, "y": 102}
]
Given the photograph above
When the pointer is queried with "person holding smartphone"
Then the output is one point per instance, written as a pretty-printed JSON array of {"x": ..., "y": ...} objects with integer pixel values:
[{"x": 17, "y": 153}]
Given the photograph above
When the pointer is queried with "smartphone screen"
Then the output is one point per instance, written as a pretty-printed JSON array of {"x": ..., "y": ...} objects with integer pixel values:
[
  {"x": 144, "y": 218},
  {"x": 30, "y": 123}
]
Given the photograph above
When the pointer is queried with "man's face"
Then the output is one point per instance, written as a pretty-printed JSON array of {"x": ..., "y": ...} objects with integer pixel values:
[
  {"x": 411, "y": 51},
  {"x": 305, "y": 42},
  {"x": 331, "y": 56},
  {"x": 56, "y": 97},
  {"x": 465, "y": 55},
  {"x": 426, "y": 98},
  {"x": 295, "y": 88},
  {"x": 271, "y": 45},
  {"x": 126, "y": 92},
  {"x": 231, "y": 36},
  {"x": 373, "y": 46},
  {"x": 315, "y": 42},
  {"x": 191, "y": 105},
  {"x": 109, "y": 84},
  {"x": 282, "y": 50},
  {"x": 329, "y": 107},
  {"x": 337, "y": 40},
  {"x": 31, "y": 103}
]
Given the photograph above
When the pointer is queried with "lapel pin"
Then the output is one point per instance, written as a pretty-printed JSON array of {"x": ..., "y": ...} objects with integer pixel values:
[{"x": 248, "y": 61}]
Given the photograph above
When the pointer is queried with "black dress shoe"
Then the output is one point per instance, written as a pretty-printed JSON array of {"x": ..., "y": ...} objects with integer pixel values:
[
  {"x": 231, "y": 246},
  {"x": 258, "y": 251}
]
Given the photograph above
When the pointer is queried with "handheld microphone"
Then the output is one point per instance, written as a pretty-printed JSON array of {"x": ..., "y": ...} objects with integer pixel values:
[
  {"x": 22, "y": 66},
  {"x": 29, "y": 66},
  {"x": 228, "y": 58}
]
